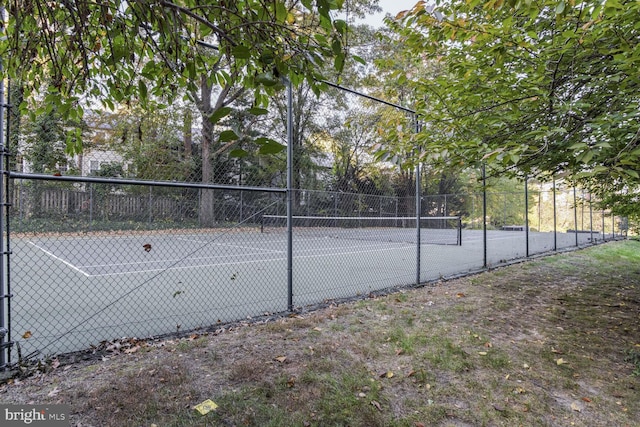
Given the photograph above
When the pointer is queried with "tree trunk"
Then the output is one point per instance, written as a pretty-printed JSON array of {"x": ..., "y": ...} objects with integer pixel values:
[{"x": 207, "y": 197}]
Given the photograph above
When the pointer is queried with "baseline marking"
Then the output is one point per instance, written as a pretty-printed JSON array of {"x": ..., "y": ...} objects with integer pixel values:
[{"x": 60, "y": 259}]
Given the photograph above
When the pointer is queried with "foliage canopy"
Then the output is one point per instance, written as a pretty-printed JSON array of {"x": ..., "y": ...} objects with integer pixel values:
[
  {"x": 117, "y": 51},
  {"x": 536, "y": 88}
]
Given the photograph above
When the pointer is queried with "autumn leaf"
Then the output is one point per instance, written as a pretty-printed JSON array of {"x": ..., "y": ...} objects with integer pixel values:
[
  {"x": 460, "y": 295},
  {"x": 377, "y": 405},
  {"x": 132, "y": 349},
  {"x": 27, "y": 335},
  {"x": 561, "y": 361},
  {"x": 280, "y": 359},
  {"x": 586, "y": 399}
]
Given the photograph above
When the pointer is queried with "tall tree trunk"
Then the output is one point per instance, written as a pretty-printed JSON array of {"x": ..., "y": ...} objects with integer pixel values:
[{"x": 207, "y": 197}]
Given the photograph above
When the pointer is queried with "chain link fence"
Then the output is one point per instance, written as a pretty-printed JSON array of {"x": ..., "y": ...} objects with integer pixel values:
[
  {"x": 92, "y": 261},
  {"x": 139, "y": 237}
]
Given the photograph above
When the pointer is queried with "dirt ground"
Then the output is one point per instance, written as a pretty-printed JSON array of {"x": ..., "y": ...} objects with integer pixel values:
[{"x": 550, "y": 342}]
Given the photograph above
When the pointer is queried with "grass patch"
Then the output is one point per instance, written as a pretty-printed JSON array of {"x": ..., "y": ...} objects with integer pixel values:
[{"x": 550, "y": 342}]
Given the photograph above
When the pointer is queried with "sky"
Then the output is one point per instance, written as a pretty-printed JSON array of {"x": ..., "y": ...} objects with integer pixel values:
[{"x": 389, "y": 6}]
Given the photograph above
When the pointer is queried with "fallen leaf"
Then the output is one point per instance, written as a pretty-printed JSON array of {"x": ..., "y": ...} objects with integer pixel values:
[
  {"x": 26, "y": 335},
  {"x": 560, "y": 361},
  {"x": 377, "y": 405},
  {"x": 53, "y": 392},
  {"x": 281, "y": 359},
  {"x": 575, "y": 407},
  {"x": 132, "y": 350},
  {"x": 460, "y": 295},
  {"x": 291, "y": 382},
  {"x": 586, "y": 399},
  {"x": 206, "y": 407},
  {"x": 482, "y": 353},
  {"x": 488, "y": 344},
  {"x": 147, "y": 247}
]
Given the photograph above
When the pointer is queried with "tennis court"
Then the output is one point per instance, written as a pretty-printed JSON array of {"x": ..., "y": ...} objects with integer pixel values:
[{"x": 149, "y": 284}]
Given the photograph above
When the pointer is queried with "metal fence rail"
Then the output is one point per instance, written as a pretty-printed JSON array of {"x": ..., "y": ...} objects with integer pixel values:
[{"x": 94, "y": 259}]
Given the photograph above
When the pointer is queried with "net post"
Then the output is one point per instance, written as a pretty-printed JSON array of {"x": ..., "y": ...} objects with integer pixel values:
[{"x": 459, "y": 231}]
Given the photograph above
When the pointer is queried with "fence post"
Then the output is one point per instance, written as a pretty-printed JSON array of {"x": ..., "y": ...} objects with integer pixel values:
[
  {"x": 484, "y": 214},
  {"x": 526, "y": 214},
  {"x": 4, "y": 297},
  {"x": 90, "y": 206},
  {"x": 418, "y": 211},
  {"x": 575, "y": 212},
  {"x": 150, "y": 206},
  {"x": 289, "y": 195},
  {"x": 591, "y": 219},
  {"x": 555, "y": 219}
]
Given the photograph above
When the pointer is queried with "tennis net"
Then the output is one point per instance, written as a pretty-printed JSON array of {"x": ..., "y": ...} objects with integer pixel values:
[{"x": 445, "y": 230}]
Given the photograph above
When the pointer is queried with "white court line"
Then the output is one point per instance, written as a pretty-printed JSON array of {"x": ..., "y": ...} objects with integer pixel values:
[
  {"x": 226, "y": 245},
  {"x": 122, "y": 264},
  {"x": 241, "y": 262},
  {"x": 60, "y": 259}
]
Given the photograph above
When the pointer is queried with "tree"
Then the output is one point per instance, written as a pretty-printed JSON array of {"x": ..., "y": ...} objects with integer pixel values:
[
  {"x": 118, "y": 51},
  {"x": 45, "y": 143},
  {"x": 535, "y": 88}
]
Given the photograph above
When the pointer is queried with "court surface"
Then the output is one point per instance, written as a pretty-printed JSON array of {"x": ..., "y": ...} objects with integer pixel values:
[{"x": 73, "y": 292}]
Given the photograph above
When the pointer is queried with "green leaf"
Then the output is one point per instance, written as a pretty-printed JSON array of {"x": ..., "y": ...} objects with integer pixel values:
[
  {"x": 266, "y": 79},
  {"x": 359, "y": 59},
  {"x": 238, "y": 153},
  {"x": 219, "y": 114},
  {"x": 142, "y": 89},
  {"x": 269, "y": 146},
  {"x": 241, "y": 52},
  {"x": 227, "y": 135},
  {"x": 256, "y": 111},
  {"x": 340, "y": 26}
]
